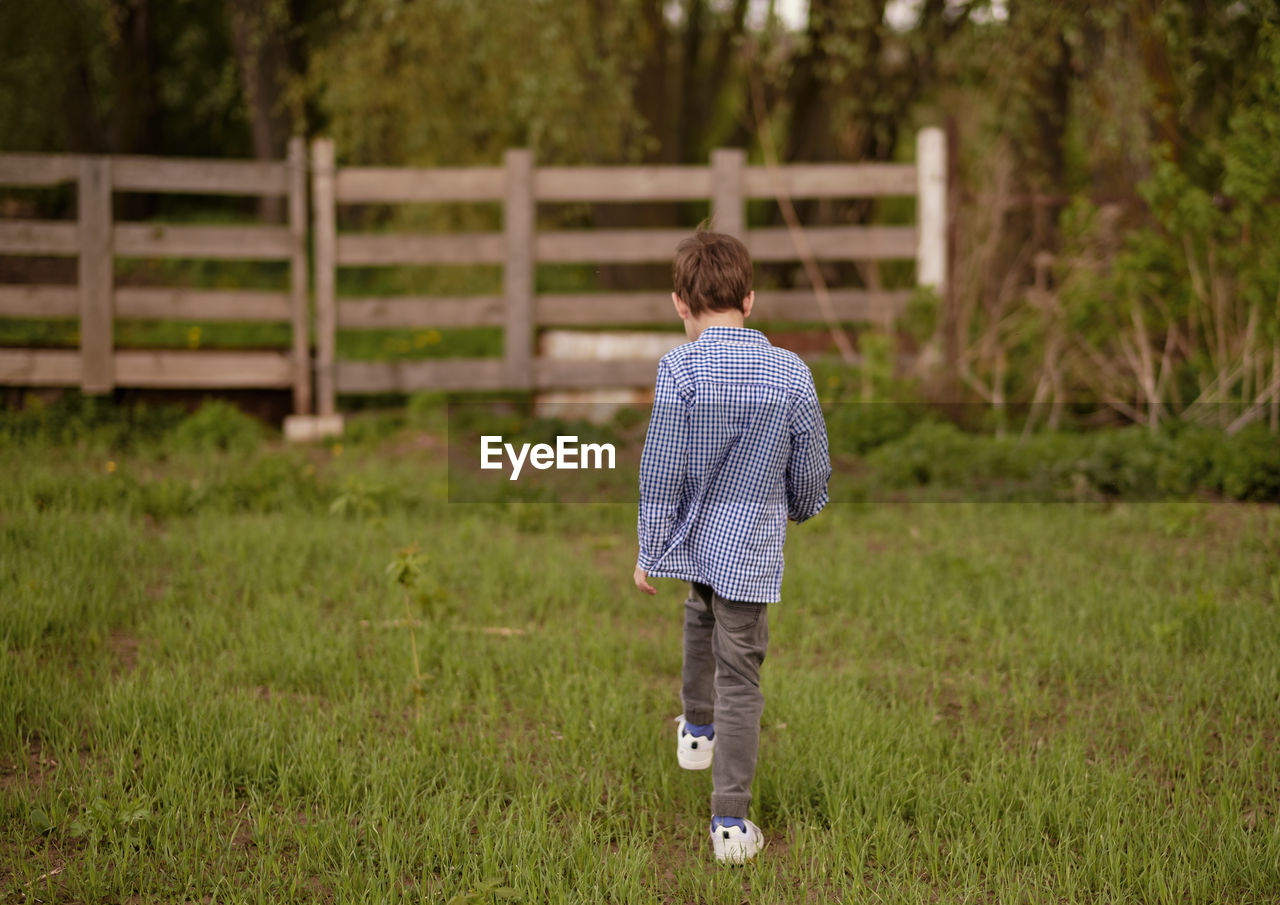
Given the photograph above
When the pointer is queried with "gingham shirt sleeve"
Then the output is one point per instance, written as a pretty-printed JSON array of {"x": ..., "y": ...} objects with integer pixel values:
[
  {"x": 662, "y": 468},
  {"x": 809, "y": 464}
]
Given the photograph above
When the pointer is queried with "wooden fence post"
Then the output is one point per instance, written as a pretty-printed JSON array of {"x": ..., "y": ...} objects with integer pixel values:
[
  {"x": 97, "y": 341},
  {"x": 728, "y": 201},
  {"x": 519, "y": 214},
  {"x": 931, "y": 208},
  {"x": 325, "y": 238},
  {"x": 298, "y": 277}
]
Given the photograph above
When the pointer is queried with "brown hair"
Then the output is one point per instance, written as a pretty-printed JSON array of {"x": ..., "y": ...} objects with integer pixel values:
[{"x": 711, "y": 272}]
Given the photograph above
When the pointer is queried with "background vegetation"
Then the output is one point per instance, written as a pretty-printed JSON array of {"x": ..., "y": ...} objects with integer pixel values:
[{"x": 1114, "y": 188}]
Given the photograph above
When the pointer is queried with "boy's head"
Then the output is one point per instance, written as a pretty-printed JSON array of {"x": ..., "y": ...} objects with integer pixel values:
[{"x": 712, "y": 273}]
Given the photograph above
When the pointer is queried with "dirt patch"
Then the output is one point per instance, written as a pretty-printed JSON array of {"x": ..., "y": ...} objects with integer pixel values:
[
  {"x": 674, "y": 855},
  {"x": 31, "y": 771},
  {"x": 124, "y": 647}
]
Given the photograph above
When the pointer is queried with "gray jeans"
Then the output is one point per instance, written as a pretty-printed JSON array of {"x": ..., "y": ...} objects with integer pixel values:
[{"x": 724, "y": 644}]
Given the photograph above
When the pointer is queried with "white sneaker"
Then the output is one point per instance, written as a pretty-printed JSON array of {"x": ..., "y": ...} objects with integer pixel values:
[
  {"x": 734, "y": 846},
  {"x": 693, "y": 751}
]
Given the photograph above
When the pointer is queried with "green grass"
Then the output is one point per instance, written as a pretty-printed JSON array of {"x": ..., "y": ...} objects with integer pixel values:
[{"x": 208, "y": 692}]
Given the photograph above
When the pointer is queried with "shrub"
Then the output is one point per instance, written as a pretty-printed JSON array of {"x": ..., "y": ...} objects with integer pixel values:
[
  {"x": 1123, "y": 463},
  {"x": 96, "y": 422},
  {"x": 1189, "y": 460},
  {"x": 1248, "y": 467},
  {"x": 1129, "y": 463},
  {"x": 218, "y": 426},
  {"x": 930, "y": 453},
  {"x": 859, "y": 427}
]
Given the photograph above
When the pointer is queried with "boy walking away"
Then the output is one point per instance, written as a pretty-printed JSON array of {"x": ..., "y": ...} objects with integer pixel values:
[{"x": 736, "y": 446}]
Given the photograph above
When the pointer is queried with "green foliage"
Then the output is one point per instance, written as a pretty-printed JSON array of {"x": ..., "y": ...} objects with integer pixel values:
[
  {"x": 218, "y": 426},
  {"x": 858, "y": 427},
  {"x": 930, "y": 453},
  {"x": 101, "y": 76},
  {"x": 407, "y": 568},
  {"x": 112, "y": 822},
  {"x": 449, "y": 83},
  {"x": 1131, "y": 463},
  {"x": 94, "y": 422},
  {"x": 359, "y": 499},
  {"x": 1249, "y": 467}
]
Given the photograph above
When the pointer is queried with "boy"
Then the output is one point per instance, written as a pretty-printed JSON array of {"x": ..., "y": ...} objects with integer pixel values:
[{"x": 736, "y": 446}]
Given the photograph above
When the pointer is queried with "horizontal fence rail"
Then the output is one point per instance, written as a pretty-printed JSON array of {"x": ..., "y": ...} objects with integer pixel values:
[
  {"x": 517, "y": 187},
  {"x": 96, "y": 240}
]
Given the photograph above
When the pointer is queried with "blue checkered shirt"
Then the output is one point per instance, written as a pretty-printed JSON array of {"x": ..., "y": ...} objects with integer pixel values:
[{"x": 736, "y": 446}]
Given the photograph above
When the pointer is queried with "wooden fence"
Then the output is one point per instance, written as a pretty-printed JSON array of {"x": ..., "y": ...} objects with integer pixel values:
[
  {"x": 518, "y": 185},
  {"x": 96, "y": 239}
]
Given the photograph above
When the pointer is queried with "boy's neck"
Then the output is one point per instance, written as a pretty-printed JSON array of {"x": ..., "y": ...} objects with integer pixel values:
[{"x": 694, "y": 326}]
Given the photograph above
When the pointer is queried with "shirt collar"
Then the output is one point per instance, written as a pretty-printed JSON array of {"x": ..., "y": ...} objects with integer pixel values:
[{"x": 733, "y": 334}]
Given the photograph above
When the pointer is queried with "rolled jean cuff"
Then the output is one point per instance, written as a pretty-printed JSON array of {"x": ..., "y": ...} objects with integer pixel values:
[
  {"x": 730, "y": 806},
  {"x": 700, "y": 717}
]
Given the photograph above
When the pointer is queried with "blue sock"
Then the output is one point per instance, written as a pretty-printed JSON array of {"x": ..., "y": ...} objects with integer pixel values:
[
  {"x": 718, "y": 823},
  {"x": 707, "y": 730}
]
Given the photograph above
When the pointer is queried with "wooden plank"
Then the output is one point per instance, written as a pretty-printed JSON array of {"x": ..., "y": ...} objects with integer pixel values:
[
  {"x": 96, "y": 276},
  {"x": 422, "y": 311},
  {"x": 621, "y": 246},
  {"x": 565, "y": 374},
  {"x": 38, "y": 169},
  {"x": 146, "y": 303},
  {"x": 202, "y": 369},
  {"x": 397, "y": 185},
  {"x": 931, "y": 209},
  {"x": 836, "y": 243},
  {"x": 39, "y": 367},
  {"x": 199, "y": 176},
  {"x": 519, "y": 225},
  {"x": 728, "y": 203},
  {"x": 237, "y": 243},
  {"x": 35, "y": 301},
  {"x": 38, "y": 237},
  {"x": 857, "y": 305},
  {"x": 411, "y": 376},
  {"x": 299, "y": 315},
  {"x": 586, "y": 309},
  {"x": 459, "y": 248},
  {"x": 651, "y": 183},
  {"x": 324, "y": 226},
  {"x": 833, "y": 180},
  {"x": 630, "y": 246},
  {"x": 601, "y": 309}
]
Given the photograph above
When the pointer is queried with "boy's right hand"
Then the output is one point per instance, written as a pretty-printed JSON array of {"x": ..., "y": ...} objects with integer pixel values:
[{"x": 641, "y": 578}]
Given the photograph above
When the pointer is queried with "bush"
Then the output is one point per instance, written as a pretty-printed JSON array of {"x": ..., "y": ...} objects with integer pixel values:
[
  {"x": 1190, "y": 460},
  {"x": 94, "y": 422},
  {"x": 1248, "y": 467},
  {"x": 218, "y": 426},
  {"x": 930, "y": 453},
  {"x": 859, "y": 427},
  {"x": 1127, "y": 463},
  {"x": 1123, "y": 463}
]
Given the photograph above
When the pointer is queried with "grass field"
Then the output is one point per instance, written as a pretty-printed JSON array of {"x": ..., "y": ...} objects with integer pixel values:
[{"x": 208, "y": 692}]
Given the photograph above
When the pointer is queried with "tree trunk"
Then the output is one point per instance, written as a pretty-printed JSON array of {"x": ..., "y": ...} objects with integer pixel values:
[{"x": 258, "y": 36}]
